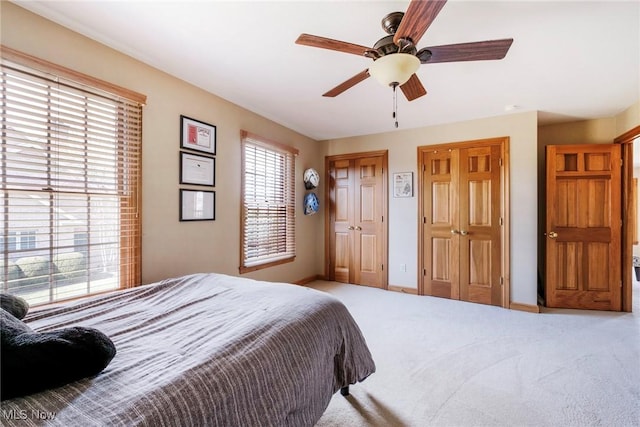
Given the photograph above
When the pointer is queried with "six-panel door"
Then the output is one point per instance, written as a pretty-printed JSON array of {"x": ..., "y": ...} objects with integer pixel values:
[
  {"x": 583, "y": 227},
  {"x": 356, "y": 197},
  {"x": 461, "y": 232}
]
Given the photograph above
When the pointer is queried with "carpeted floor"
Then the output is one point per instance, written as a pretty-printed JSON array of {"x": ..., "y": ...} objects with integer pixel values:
[{"x": 451, "y": 363}]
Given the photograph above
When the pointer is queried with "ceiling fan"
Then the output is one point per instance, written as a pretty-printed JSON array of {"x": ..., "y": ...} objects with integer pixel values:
[{"x": 395, "y": 56}]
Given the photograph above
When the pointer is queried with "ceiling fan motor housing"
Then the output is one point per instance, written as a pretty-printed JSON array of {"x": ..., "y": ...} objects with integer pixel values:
[
  {"x": 391, "y": 22},
  {"x": 386, "y": 46}
]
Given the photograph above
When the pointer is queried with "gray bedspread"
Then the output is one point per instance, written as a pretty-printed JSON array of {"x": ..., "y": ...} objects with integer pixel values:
[{"x": 205, "y": 350}]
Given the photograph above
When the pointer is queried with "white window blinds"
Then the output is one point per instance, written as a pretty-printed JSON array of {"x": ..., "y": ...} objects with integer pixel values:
[
  {"x": 268, "y": 203},
  {"x": 69, "y": 211}
]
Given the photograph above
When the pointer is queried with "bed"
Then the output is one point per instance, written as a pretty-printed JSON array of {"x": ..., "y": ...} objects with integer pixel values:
[{"x": 204, "y": 350}]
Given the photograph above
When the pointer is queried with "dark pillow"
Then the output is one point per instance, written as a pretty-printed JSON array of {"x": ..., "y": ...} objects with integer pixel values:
[
  {"x": 33, "y": 362},
  {"x": 14, "y": 305}
]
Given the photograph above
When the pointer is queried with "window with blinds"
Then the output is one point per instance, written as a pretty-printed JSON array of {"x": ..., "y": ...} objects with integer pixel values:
[
  {"x": 268, "y": 203},
  {"x": 69, "y": 211}
]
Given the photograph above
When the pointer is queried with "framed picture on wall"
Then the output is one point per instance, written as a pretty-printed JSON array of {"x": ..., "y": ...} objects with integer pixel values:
[
  {"x": 197, "y": 135},
  {"x": 197, "y": 170},
  {"x": 403, "y": 184},
  {"x": 196, "y": 205}
]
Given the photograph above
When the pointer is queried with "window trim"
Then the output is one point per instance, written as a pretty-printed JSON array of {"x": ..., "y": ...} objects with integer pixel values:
[
  {"x": 27, "y": 60},
  {"x": 248, "y": 137}
]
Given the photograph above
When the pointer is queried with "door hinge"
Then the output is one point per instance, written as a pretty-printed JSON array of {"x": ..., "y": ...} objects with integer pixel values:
[
  {"x": 501, "y": 222},
  {"x": 382, "y": 218},
  {"x": 424, "y": 272},
  {"x": 500, "y": 162},
  {"x": 424, "y": 168},
  {"x": 501, "y": 280},
  {"x": 382, "y": 267},
  {"x": 424, "y": 219}
]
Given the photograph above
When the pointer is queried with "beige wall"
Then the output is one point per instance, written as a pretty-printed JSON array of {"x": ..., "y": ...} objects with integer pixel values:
[
  {"x": 628, "y": 119},
  {"x": 403, "y": 221},
  {"x": 596, "y": 131},
  {"x": 599, "y": 131},
  {"x": 169, "y": 247}
]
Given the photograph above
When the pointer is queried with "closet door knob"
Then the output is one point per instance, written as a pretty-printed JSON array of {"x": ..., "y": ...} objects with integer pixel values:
[
  {"x": 350, "y": 227},
  {"x": 455, "y": 232},
  {"x": 464, "y": 233},
  {"x": 358, "y": 228}
]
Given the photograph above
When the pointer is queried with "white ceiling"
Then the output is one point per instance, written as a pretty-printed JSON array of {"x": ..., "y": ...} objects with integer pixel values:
[{"x": 570, "y": 60}]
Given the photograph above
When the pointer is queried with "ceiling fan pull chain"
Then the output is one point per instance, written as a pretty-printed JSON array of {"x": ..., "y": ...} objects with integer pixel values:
[{"x": 395, "y": 105}]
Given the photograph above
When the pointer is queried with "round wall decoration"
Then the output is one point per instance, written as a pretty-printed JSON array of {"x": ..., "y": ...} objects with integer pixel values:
[
  {"x": 311, "y": 204},
  {"x": 311, "y": 178}
]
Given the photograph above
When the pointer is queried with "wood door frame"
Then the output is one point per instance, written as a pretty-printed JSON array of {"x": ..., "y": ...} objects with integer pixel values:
[
  {"x": 384, "y": 154},
  {"x": 504, "y": 209},
  {"x": 626, "y": 139}
]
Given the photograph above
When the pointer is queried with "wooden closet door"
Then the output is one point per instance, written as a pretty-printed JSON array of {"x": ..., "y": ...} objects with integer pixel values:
[
  {"x": 583, "y": 227},
  {"x": 462, "y": 228},
  {"x": 356, "y": 235},
  {"x": 341, "y": 218},
  {"x": 480, "y": 228},
  {"x": 367, "y": 222},
  {"x": 441, "y": 221}
]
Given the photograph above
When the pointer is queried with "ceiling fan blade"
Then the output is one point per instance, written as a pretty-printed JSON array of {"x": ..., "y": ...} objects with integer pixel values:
[
  {"x": 325, "y": 43},
  {"x": 473, "y": 51},
  {"x": 347, "y": 84},
  {"x": 413, "y": 88},
  {"x": 418, "y": 17}
]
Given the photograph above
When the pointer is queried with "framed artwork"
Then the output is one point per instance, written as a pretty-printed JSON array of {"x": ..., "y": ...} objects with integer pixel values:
[
  {"x": 197, "y": 135},
  {"x": 197, "y": 170},
  {"x": 403, "y": 184},
  {"x": 196, "y": 205}
]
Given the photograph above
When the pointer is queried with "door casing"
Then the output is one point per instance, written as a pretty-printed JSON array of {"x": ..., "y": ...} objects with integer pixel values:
[{"x": 626, "y": 140}]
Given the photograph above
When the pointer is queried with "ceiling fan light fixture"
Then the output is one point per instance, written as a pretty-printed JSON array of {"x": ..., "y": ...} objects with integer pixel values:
[{"x": 394, "y": 69}]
